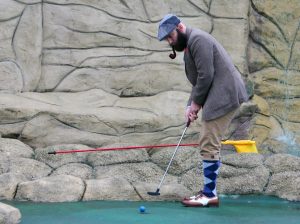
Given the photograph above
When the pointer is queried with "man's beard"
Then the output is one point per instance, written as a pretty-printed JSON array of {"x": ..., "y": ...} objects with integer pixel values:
[{"x": 181, "y": 42}]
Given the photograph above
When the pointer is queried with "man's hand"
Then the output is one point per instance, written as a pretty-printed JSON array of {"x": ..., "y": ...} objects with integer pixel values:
[
  {"x": 192, "y": 111},
  {"x": 187, "y": 113}
]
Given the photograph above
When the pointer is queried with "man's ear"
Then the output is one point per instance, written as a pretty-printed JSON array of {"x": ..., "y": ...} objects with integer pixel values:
[{"x": 181, "y": 27}]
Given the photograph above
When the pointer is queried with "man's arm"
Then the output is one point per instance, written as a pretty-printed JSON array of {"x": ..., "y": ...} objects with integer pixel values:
[{"x": 203, "y": 54}]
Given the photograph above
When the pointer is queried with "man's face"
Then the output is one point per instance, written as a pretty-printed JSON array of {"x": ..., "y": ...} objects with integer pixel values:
[
  {"x": 172, "y": 37},
  {"x": 177, "y": 40}
]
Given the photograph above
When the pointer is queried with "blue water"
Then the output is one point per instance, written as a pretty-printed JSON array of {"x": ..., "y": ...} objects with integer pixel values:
[{"x": 233, "y": 209}]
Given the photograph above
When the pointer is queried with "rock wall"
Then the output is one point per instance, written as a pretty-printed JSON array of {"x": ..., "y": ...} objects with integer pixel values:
[
  {"x": 89, "y": 73},
  {"x": 27, "y": 174},
  {"x": 274, "y": 70},
  {"x": 92, "y": 72}
]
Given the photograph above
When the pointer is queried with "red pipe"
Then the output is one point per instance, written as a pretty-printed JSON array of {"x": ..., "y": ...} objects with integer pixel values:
[{"x": 119, "y": 148}]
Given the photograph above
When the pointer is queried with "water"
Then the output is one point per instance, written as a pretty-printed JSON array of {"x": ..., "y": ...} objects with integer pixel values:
[
  {"x": 289, "y": 139},
  {"x": 233, "y": 209},
  {"x": 289, "y": 99}
]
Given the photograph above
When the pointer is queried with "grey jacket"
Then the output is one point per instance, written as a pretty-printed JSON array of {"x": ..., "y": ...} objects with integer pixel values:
[{"x": 217, "y": 85}]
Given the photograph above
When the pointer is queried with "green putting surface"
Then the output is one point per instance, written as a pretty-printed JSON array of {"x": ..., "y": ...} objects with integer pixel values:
[{"x": 233, "y": 209}]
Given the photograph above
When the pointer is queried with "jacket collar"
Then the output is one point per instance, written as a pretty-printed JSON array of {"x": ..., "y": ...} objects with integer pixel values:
[{"x": 188, "y": 32}]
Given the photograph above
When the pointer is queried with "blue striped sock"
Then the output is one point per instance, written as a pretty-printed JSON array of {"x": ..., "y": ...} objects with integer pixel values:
[{"x": 210, "y": 170}]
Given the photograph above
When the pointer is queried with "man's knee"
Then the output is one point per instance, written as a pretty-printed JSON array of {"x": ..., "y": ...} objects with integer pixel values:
[{"x": 210, "y": 154}]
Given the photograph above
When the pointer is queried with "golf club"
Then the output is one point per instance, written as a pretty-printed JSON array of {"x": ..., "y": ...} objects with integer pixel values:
[{"x": 156, "y": 193}]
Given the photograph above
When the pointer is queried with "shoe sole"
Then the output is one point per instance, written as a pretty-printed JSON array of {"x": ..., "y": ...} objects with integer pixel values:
[{"x": 213, "y": 204}]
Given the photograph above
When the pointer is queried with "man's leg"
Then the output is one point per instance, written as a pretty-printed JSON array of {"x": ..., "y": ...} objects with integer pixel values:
[
  {"x": 210, "y": 171},
  {"x": 212, "y": 133}
]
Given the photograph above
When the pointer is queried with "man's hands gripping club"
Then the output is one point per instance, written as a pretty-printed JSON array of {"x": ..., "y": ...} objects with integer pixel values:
[{"x": 191, "y": 112}]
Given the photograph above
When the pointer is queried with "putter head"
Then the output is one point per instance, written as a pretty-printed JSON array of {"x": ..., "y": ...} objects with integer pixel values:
[{"x": 156, "y": 193}]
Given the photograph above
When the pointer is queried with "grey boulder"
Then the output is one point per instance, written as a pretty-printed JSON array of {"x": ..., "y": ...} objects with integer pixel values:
[
  {"x": 285, "y": 185},
  {"x": 80, "y": 170},
  {"x": 185, "y": 159},
  {"x": 193, "y": 179},
  {"x": 116, "y": 157},
  {"x": 8, "y": 185},
  {"x": 30, "y": 168},
  {"x": 245, "y": 160},
  {"x": 61, "y": 188},
  {"x": 134, "y": 172},
  {"x": 15, "y": 148},
  {"x": 109, "y": 189},
  {"x": 251, "y": 181},
  {"x": 242, "y": 173},
  {"x": 9, "y": 214},
  {"x": 55, "y": 161},
  {"x": 283, "y": 163}
]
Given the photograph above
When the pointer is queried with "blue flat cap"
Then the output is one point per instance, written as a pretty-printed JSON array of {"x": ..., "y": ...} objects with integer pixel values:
[{"x": 167, "y": 25}]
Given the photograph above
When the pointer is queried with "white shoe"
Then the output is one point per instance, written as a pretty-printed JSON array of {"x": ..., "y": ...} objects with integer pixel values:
[
  {"x": 193, "y": 197},
  {"x": 201, "y": 200}
]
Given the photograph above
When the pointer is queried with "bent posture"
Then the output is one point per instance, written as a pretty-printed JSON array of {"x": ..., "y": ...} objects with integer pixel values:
[{"x": 218, "y": 89}]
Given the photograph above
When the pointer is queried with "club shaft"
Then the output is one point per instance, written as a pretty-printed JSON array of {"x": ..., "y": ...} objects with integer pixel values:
[{"x": 171, "y": 160}]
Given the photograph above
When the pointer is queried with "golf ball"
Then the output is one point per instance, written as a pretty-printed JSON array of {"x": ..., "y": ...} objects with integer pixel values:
[{"x": 142, "y": 209}]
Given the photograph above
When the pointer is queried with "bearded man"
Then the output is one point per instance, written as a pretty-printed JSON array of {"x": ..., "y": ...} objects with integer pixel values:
[{"x": 218, "y": 89}]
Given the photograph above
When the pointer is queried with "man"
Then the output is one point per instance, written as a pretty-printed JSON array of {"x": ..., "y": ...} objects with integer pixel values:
[{"x": 217, "y": 88}]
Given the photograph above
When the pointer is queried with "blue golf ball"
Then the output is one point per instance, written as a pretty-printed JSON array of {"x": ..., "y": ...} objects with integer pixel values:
[{"x": 142, "y": 209}]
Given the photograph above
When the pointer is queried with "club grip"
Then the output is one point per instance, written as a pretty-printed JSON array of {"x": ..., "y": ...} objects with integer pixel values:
[
  {"x": 53, "y": 153},
  {"x": 188, "y": 123}
]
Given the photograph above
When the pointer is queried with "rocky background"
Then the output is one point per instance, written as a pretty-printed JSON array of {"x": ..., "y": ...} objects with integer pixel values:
[{"x": 76, "y": 74}]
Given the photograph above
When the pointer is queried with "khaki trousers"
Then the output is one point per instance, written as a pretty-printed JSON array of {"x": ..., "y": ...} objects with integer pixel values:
[{"x": 211, "y": 134}]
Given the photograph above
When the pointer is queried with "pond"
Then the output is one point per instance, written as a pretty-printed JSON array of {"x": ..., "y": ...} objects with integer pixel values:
[{"x": 233, "y": 209}]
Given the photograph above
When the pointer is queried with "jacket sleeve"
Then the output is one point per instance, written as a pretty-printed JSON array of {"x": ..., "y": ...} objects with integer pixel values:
[
  {"x": 189, "y": 101},
  {"x": 202, "y": 51}
]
